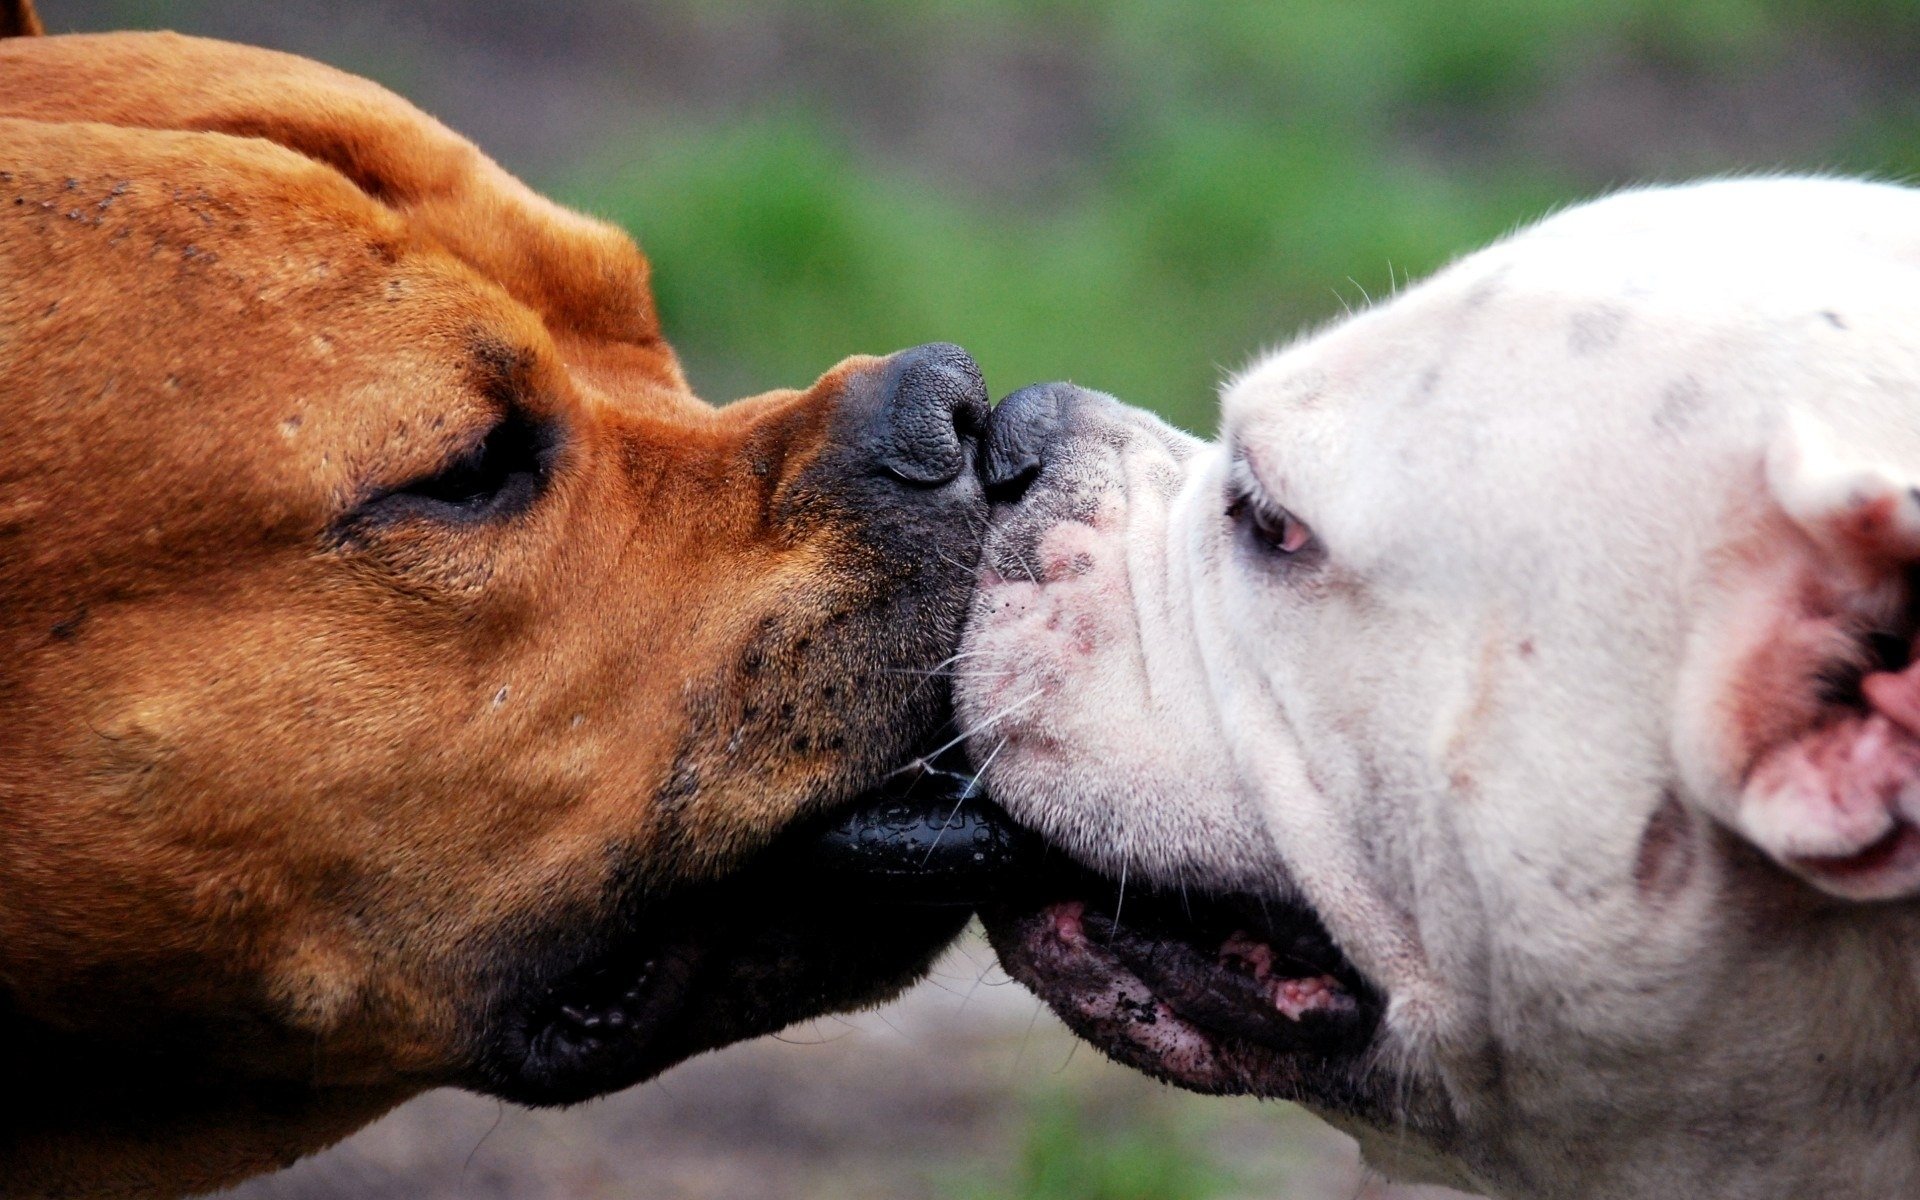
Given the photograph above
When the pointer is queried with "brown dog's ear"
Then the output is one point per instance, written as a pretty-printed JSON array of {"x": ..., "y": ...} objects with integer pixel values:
[
  {"x": 17, "y": 19},
  {"x": 1840, "y": 804}
]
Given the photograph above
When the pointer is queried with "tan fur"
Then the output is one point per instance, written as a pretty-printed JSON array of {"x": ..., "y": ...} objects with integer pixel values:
[{"x": 277, "y": 788}]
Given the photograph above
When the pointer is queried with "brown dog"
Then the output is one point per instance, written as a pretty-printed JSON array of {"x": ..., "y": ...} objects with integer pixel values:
[{"x": 398, "y": 664}]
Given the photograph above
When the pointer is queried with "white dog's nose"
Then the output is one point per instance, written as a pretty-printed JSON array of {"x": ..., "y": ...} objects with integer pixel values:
[{"x": 1019, "y": 432}]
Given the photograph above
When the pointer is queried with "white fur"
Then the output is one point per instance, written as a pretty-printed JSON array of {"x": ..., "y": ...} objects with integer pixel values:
[{"x": 1557, "y": 518}]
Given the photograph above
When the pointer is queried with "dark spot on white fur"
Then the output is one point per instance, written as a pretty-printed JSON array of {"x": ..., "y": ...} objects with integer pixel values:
[
  {"x": 1305, "y": 388},
  {"x": 1594, "y": 329},
  {"x": 1680, "y": 404},
  {"x": 1484, "y": 290}
]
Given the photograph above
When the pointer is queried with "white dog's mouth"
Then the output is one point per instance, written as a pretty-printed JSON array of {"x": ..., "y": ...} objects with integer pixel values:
[{"x": 1216, "y": 995}]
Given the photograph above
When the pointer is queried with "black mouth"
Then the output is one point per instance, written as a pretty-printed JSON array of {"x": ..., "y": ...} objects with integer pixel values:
[
  {"x": 1222, "y": 994},
  {"x": 841, "y": 912},
  {"x": 589, "y": 1029}
]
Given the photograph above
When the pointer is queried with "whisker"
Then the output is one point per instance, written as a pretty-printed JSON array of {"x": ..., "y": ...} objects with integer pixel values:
[
  {"x": 957, "y": 657},
  {"x": 1009, "y": 673},
  {"x": 955, "y": 563},
  {"x": 499, "y": 1115},
  {"x": 819, "y": 1041},
  {"x": 966, "y": 781},
  {"x": 978, "y": 979},
  {"x": 923, "y": 764},
  {"x": 1033, "y": 576},
  {"x": 942, "y": 667},
  {"x": 1038, "y": 1008},
  {"x": 944, "y": 826},
  {"x": 1073, "y": 1047},
  {"x": 975, "y": 781},
  {"x": 966, "y": 794}
]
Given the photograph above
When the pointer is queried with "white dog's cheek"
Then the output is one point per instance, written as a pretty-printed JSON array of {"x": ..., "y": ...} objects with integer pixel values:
[
  {"x": 1076, "y": 734},
  {"x": 1032, "y": 654}
]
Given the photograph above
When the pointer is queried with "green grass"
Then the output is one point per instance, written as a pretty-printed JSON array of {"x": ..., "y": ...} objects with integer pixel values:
[
  {"x": 1070, "y": 1151},
  {"x": 776, "y": 251}
]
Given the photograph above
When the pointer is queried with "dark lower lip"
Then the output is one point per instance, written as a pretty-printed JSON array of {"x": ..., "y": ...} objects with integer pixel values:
[
  {"x": 839, "y": 911},
  {"x": 928, "y": 838},
  {"x": 1226, "y": 995},
  {"x": 749, "y": 964},
  {"x": 591, "y": 1029}
]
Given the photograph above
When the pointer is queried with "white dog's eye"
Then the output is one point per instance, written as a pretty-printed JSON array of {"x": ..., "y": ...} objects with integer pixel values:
[{"x": 1273, "y": 528}]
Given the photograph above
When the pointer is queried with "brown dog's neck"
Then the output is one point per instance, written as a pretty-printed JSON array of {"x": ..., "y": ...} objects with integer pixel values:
[{"x": 84, "y": 1117}]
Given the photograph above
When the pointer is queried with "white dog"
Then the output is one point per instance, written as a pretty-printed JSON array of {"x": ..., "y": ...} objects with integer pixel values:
[{"x": 1517, "y": 696}]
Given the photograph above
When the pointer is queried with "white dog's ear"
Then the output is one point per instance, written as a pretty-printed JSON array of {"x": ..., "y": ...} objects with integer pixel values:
[
  {"x": 1865, "y": 514},
  {"x": 1839, "y": 804}
]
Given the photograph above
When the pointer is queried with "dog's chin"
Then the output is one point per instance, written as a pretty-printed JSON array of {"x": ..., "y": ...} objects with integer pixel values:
[
  {"x": 1217, "y": 994},
  {"x": 746, "y": 959},
  {"x": 841, "y": 912}
]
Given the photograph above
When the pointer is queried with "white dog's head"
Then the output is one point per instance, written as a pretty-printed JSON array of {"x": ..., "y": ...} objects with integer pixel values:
[{"x": 1517, "y": 698}]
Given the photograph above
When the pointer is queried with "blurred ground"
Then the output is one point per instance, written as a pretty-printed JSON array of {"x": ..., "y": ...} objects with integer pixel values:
[{"x": 962, "y": 1090}]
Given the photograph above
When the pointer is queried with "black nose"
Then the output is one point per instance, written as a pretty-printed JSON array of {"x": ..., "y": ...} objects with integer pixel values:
[
  {"x": 933, "y": 408},
  {"x": 1022, "y": 429}
]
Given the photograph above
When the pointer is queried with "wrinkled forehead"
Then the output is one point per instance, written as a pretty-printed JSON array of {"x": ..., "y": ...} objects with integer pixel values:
[
  {"x": 1649, "y": 321},
  {"x": 1633, "y": 366}
]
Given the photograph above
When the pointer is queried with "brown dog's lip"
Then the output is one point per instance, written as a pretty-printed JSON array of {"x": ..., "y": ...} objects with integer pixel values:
[
  {"x": 785, "y": 959},
  {"x": 839, "y": 911},
  {"x": 592, "y": 1028},
  {"x": 586, "y": 1016},
  {"x": 929, "y": 838}
]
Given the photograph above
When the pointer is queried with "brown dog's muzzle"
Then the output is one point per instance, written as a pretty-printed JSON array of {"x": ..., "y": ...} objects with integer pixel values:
[{"x": 709, "y": 933}]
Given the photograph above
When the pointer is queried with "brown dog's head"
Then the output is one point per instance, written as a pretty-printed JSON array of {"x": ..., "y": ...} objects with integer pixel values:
[{"x": 401, "y": 672}]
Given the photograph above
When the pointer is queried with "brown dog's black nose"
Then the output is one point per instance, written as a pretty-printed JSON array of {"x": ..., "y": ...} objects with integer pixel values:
[{"x": 932, "y": 411}]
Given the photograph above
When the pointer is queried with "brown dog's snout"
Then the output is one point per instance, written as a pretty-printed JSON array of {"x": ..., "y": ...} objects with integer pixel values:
[{"x": 929, "y": 413}]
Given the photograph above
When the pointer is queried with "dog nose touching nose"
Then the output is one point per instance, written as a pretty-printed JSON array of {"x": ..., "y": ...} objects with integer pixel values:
[
  {"x": 933, "y": 409},
  {"x": 1019, "y": 434}
]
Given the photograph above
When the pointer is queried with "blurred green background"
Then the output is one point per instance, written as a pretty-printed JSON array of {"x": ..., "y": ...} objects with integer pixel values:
[{"x": 1137, "y": 195}]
